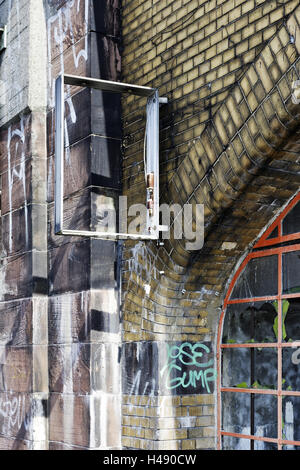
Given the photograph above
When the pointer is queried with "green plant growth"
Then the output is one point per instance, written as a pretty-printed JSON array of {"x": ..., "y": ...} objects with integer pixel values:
[
  {"x": 285, "y": 307},
  {"x": 242, "y": 385},
  {"x": 259, "y": 386},
  {"x": 256, "y": 384}
]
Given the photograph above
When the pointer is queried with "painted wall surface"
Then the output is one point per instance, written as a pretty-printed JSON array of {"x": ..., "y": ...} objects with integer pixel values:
[
  {"x": 23, "y": 297},
  {"x": 84, "y": 383}
]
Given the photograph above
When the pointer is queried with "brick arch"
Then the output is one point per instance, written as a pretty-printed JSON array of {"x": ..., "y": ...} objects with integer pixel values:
[{"x": 244, "y": 164}]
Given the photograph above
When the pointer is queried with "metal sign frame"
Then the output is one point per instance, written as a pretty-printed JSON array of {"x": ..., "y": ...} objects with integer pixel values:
[{"x": 151, "y": 151}]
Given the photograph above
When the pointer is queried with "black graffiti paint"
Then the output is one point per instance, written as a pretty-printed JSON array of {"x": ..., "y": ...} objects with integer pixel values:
[{"x": 154, "y": 368}]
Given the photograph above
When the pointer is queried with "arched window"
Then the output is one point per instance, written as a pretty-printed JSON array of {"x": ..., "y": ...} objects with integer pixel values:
[{"x": 259, "y": 344}]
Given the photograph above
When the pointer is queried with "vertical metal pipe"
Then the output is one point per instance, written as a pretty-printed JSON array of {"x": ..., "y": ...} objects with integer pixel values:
[{"x": 152, "y": 159}]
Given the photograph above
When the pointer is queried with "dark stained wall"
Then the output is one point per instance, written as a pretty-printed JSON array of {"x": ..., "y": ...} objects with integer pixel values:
[
  {"x": 59, "y": 299},
  {"x": 84, "y": 326}
]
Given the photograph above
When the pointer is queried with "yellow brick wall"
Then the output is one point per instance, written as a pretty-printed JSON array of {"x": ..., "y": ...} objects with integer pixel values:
[
  {"x": 194, "y": 52},
  {"x": 170, "y": 423},
  {"x": 226, "y": 67}
]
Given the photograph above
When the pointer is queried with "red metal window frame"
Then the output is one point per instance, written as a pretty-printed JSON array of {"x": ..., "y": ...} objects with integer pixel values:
[
  {"x": 264, "y": 241},
  {"x": 279, "y": 345}
]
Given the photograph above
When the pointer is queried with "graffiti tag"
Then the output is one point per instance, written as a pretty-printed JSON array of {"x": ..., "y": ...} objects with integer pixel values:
[
  {"x": 13, "y": 413},
  {"x": 184, "y": 367}
]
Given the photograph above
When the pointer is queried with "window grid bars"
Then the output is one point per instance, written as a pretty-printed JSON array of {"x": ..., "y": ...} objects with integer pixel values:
[{"x": 279, "y": 345}]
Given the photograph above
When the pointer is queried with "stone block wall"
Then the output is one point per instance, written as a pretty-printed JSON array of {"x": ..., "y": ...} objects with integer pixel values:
[
  {"x": 59, "y": 300},
  {"x": 105, "y": 344},
  {"x": 84, "y": 325},
  {"x": 23, "y": 298}
]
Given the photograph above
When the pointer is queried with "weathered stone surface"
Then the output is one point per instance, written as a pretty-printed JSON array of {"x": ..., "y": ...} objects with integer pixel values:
[
  {"x": 15, "y": 273},
  {"x": 15, "y": 143},
  {"x": 92, "y": 161},
  {"x": 15, "y": 416},
  {"x": 16, "y": 231},
  {"x": 59, "y": 446},
  {"x": 16, "y": 187},
  {"x": 16, "y": 369},
  {"x": 69, "y": 419},
  {"x": 14, "y": 444},
  {"x": 72, "y": 21},
  {"x": 84, "y": 317},
  {"x": 69, "y": 267},
  {"x": 69, "y": 318},
  {"x": 88, "y": 112},
  {"x": 77, "y": 61},
  {"x": 70, "y": 368},
  {"x": 16, "y": 323}
]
